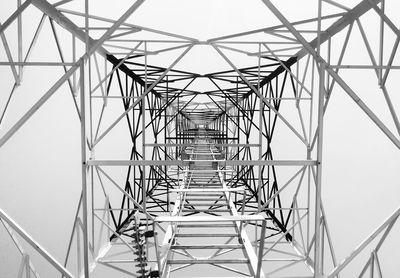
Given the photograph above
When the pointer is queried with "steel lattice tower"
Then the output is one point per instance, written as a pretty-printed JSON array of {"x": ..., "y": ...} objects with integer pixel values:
[{"x": 196, "y": 174}]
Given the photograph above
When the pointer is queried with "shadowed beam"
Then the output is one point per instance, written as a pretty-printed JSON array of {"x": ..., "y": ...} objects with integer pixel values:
[
  {"x": 34, "y": 244},
  {"x": 347, "y": 19},
  {"x": 68, "y": 25},
  {"x": 366, "y": 5}
]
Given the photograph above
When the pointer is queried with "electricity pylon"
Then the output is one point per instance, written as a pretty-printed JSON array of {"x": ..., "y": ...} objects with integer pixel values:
[{"x": 181, "y": 171}]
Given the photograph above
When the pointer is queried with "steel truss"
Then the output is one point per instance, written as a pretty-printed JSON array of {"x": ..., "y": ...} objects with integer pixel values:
[{"x": 174, "y": 157}]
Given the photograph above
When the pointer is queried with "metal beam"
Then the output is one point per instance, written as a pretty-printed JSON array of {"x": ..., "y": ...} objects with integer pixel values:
[
  {"x": 37, "y": 105},
  {"x": 346, "y": 20},
  {"x": 310, "y": 49},
  {"x": 184, "y": 162},
  {"x": 70, "y": 26},
  {"x": 34, "y": 244}
]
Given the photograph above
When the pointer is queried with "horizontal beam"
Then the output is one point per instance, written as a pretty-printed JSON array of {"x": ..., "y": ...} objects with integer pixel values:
[
  {"x": 208, "y": 190},
  {"x": 134, "y": 162},
  {"x": 71, "y": 27},
  {"x": 268, "y": 162},
  {"x": 209, "y": 218},
  {"x": 186, "y": 162},
  {"x": 38, "y": 104},
  {"x": 201, "y": 144},
  {"x": 347, "y": 19},
  {"x": 210, "y": 261},
  {"x": 68, "y": 64},
  {"x": 389, "y": 221},
  {"x": 34, "y": 244}
]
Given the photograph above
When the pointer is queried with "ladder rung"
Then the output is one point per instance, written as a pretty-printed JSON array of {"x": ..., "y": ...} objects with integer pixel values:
[
  {"x": 214, "y": 246},
  {"x": 209, "y": 261},
  {"x": 214, "y": 210},
  {"x": 205, "y": 194},
  {"x": 204, "y": 199},
  {"x": 206, "y": 235},
  {"x": 209, "y": 218},
  {"x": 207, "y": 225},
  {"x": 206, "y": 205},
  {"x": 209, "y": 190}
]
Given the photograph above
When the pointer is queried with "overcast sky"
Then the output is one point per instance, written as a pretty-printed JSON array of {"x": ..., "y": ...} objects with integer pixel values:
[{"x": 40, "y": 165}]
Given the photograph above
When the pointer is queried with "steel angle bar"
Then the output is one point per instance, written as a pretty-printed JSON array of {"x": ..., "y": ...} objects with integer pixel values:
[
  {"x": 34, "y": 39},
  {"x": 303, "y": 87},
  {"x": 374, "y": 67},
  {"x": 142, "y": 28},
  {"x": 237, "y": 105},
  {"x": 108, "y": 264},
  {"x": 37, "y": 64},
  {"x": 318, "y": 255},
  {"x": 236, "y": 50},
  {"x": 61, "y": 2},
  {"x": 336, "y": 4},
  {"x": 308, "y": 47},
  {"x": 386, "y": 224},
  {"x": 71, "y": 27},
  {"x": 252, "y": 256},
  {"x": 377, "y": 68},
  {"x": 287, "y": 265},
  {"x": 72, "y": 232},
  {"x": 270, "y": 162},
  {"x": 135, "y": 162},
  {"x": 124, "y": 192},
  {"x": 225, "y": 112},
  {"x": 271, "y": 198},
  {"x": 115, "y": 233},
  {"x": 139, "y": 99},
  {"x": 29, "y": 265},
  {"x": 102, "y": 88},
  {"x": 346, "y": 19},
  {"x": 70, "y": 82},
  {"x": 84, "y": 169},
  {"x": 220, "y": 39},
  {"x": 165, "y": 246},
  {"x": 114, "y": 27},
  {"x": 156, "y": 52},
  {"x": 132, "y": 50},
  {"x": 364, "y": 107},
  {"x": 10, "y": 58},
  {"x": 330, "y": 89},
  {"x": 95, "y": 45},
  {"x": 178, "y": 112},
  {"x": 15, "y": 15},
  {"x": 53, "y": 13},
  {"x": 130, "y": 31},
  {"x": 34, "y": 244},
  {"x": 284, "y": 235},
  {"x": 261, "y": 96},
  {"x": 269, "y": 51},
  {"x": 209, "y": 218},
  {"x": 37, "y": 105},
  {"x": 384, "y": 17},
  {"x": 230, "y": 269}
]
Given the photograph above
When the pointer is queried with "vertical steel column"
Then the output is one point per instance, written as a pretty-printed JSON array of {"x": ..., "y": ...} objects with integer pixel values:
[
  {"x": 318, "y": 244},
  {"x": 165, "y": 142},
  {"x": 20, "y": 59},
  {"x": 260, "y": 135},
  {"x": 144, "y": 189},
  {"x": 321, "y": 94},
  {"x": 84, "y": 171},
  {"x": 238, "y": 123}
]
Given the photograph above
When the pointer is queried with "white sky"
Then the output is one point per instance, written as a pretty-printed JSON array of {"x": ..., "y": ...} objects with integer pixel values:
[{"x": 40, "y": 165}]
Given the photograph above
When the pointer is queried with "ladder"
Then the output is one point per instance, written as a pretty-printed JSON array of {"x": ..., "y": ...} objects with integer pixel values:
[{"x": 205, "y": 226}]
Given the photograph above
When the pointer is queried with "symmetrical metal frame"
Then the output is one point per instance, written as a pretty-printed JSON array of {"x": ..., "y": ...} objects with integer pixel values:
[{"x": 140, "y": 160}]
